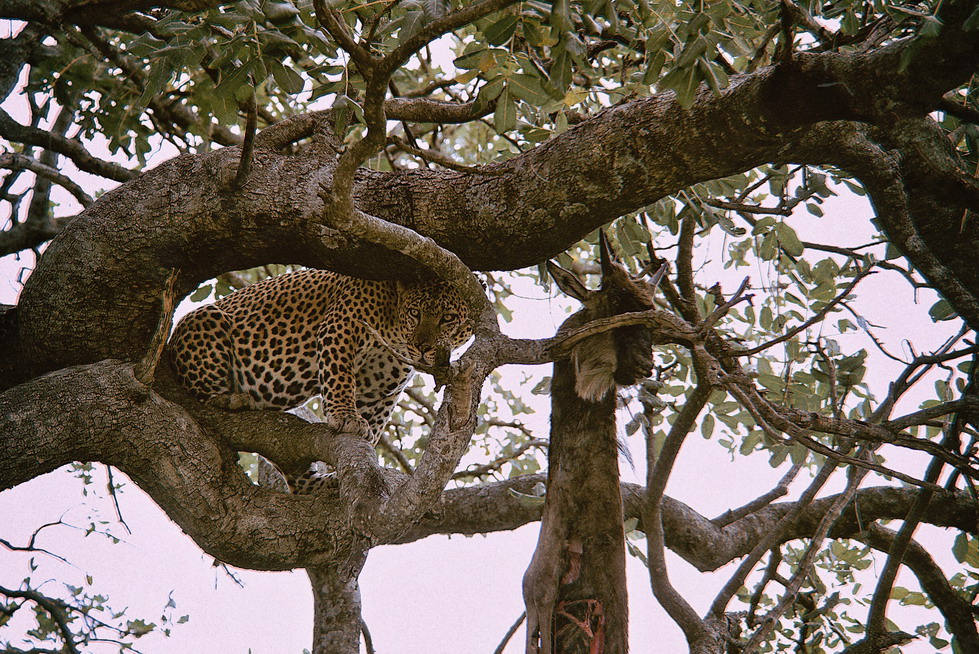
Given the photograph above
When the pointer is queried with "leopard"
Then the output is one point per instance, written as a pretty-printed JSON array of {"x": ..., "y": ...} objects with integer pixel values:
[{"x": 355, "y": 342}]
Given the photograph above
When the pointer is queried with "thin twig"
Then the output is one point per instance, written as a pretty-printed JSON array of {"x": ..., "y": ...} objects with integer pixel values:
[
  {"x": 509, "y": 634},
  {"x": 496, "y": 464},
  {"x": 115, "y": 498},
  {"x": 780, "y": 490},
  {"x": 444, "y": 161},
  {"x": 816, "y": 318},
  {"x": 722, "y": 309},
  {"x": 19, "y": 161}
]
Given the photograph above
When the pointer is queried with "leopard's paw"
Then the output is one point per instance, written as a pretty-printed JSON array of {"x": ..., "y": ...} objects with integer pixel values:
[
  {"x": 348, "y": 423},
  {"x": 231, "y": 401}
]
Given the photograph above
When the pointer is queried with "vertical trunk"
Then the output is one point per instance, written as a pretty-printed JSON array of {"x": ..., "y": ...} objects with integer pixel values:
[
  {"x": 336, "y": 607},
  {"x": 575, "y": 586}
]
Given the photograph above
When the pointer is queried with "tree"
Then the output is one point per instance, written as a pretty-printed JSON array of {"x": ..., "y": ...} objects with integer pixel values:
[{"x": 321, "y": 134}]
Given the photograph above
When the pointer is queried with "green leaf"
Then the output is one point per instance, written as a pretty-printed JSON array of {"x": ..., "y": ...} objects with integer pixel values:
[
  {"x": 470, "y": 59},
  {"x": 159, "y": 75},
  {"x": 274, "y": 40},
  {"x": 412, "y": 23},
  {"x": 561, "y": 72},
  {"x": 788, "y": 239},
  {"x": 931, "y": 27},
  {"x": 767, "y": 250},
  {"x": 500, "y": 32},
  {"x": 543, "y": 387},
  {"x": 236, "y": 79},
  {"x": 528, "y": 88},
  {"x": 966, "y": 550},
  {"x": 942, "y": 310},
  {"x": 714, "y": 75},
  {"x": 505, "y": 117},
  {"x": 972, "y": 22},
  {"x": 201, "y": 293},
  {"x": 288, "y": 80},
  {"x": 560, "y": 16},
  {"x": 762, "y": 225},
  {"x": 684, "y": 81},
  {"x": 280, "y": 12},
  {"x": 492, "y": 89},
  {"x": 707, "y": 426},
  {"x": 691, "y": 52}
]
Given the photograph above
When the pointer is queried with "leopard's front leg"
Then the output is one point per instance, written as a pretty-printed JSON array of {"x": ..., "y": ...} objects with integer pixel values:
[{"x": 337, "y": 349}]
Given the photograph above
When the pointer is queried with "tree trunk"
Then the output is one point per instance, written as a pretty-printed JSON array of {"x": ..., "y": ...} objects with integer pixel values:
[
  {"x": 337, "y": 621},
  {"x": 575, "y": 586}
]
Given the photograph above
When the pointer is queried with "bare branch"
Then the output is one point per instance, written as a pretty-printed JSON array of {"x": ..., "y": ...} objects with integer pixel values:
[
  {"x": 437, "y": 28},
  {"x": 781, "y": 488},
  {"x": 816, "y": 318},
  {"x": 17, "y": 161},
  {"x": 771, "y": 538},
  {"x": 442, "y": 160},
  {"x": 13, "y": 131},
  {"x": 659, "y": 465}
]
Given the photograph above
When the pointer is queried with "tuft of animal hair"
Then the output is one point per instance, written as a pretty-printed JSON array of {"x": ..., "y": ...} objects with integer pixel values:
[{"x": 594, "y": 362}]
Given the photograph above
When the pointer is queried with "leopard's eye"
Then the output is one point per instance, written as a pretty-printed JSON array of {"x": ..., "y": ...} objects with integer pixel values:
[
  {"x": 450, "y": 318},
  {"x": 414, "y": 312}
]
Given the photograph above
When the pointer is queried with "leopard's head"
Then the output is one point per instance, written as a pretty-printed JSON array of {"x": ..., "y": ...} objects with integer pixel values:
[{"x": 435, "y": 320}]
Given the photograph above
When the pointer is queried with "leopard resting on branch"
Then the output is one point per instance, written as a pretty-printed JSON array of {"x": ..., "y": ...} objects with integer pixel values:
[{"x": 277, "y": 343}]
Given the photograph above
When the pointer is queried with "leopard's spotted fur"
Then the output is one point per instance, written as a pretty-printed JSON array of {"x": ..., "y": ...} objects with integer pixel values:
[{"x": 279, "y": 342}]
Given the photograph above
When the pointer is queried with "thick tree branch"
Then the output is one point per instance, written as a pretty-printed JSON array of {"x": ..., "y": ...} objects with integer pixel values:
[
  {"x": 103, "y": 414},
  {"x": 544, "y": 201}
]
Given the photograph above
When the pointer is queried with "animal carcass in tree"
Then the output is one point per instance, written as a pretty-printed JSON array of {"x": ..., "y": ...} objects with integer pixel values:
[{"x": 574, "y": 588}]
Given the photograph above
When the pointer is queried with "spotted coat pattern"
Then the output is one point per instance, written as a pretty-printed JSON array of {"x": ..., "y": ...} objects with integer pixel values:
[{"x": 279, "y": 342}]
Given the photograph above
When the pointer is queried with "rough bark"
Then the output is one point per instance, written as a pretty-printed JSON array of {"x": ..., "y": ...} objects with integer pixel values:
[{"x": 336, "y": 607}]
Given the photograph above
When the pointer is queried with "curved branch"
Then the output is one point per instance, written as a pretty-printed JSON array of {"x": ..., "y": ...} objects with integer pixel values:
[
  {"x": 101, "y": 413},
  {"x": 437, "y": 28},
  {"x": 11, "y": 130},
  {"x": 659, "y": 466},
  {"x": 956, "y": 609},
  {"x": 17, "y": 161}
]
